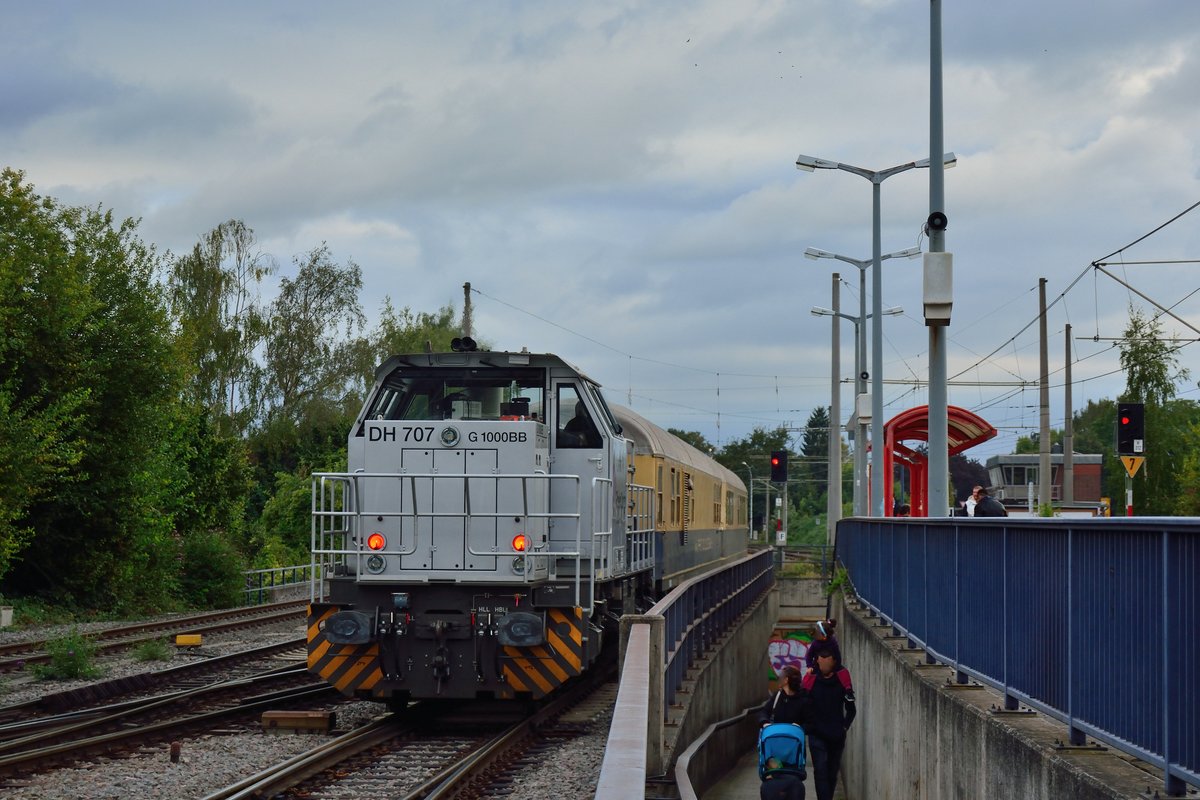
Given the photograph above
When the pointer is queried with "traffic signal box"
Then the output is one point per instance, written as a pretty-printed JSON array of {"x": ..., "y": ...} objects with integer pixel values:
[
  {"x": 1131, "y": 429},
  {"x": 779, "y": 466}
]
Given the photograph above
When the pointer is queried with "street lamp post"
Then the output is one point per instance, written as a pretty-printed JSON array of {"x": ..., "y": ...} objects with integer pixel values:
[
  {"x": 860, "y": 361},
  {"x": 876, "y": 177},
  {"x": 751, "y": 493},
  {"x": 860, "y": 442}
]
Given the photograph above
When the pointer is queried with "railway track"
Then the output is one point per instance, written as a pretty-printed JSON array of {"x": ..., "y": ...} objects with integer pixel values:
[
  {"x": 62, "y": 739},
  {"x": 17, "y": 655},
  {"x": 243, "y": 663},
  {"x": 423, "y": 754}
]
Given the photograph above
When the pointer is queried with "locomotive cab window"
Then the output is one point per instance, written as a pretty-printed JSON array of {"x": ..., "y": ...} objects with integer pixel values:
[
  {"x": 465, "y": 394},
  {"x": 576, "y": 428}
]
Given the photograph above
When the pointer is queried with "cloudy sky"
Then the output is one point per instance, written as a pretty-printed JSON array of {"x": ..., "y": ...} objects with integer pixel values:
[{"x": 617, "y": 179}]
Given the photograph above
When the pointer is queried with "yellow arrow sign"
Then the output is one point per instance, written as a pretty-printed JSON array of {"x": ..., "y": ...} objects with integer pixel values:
[{"x": 1132, "y": 464}]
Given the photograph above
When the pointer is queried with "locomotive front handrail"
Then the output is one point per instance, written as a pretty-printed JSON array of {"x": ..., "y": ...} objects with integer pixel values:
[{"x": 326, "y": 513}]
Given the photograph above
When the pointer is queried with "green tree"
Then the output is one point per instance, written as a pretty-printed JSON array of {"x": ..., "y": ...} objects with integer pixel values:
[
  {"x": 695, "y": 439},
  {"x": 404, "y": 331},
  {"x": 1151, "y": 365},
  {"x": 1031, "y": 444},
  {"x": 814, "y": 451},
  {"x": 966, "y": 474},
  {"x": 1152, "y": 371},
  {"x": 755, "y": 451},
  {"x": 90, "y": 344},
  {"x": 214, "y": 296},
  {"x": 1187, "y": 500},
  {"x": 310, "y": 348},
  {"x": 282, "y": 531},
  {"x": 41, "y": 422}
]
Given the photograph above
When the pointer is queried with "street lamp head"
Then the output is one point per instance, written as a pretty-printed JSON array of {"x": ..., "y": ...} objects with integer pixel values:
[
  {"x": 814, "y": 253},
  {"x": 949, "y": 160},
  {"x": 821, "y": 312},
  {"x": 911, "y": 252},
  {"x": 808, "y": 163},
  {"x": 893, "y": 311}
]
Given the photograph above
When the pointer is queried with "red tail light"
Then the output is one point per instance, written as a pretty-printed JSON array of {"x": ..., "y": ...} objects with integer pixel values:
[{"x": 376, "y": 541}]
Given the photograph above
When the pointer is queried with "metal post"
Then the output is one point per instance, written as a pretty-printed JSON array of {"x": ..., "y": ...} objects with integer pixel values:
[
  {"x": 877, "y": 499},
  {"x": 767, "y": 515},
  {"x": 939, "y": 458},
  {"x": 754, "y": 533},
  {"x": 1068, "y": 471},
  {"x": 860, "y": 388},
  {"x": 1044, "y": 497},
  {"x": 834, "y": 493}
]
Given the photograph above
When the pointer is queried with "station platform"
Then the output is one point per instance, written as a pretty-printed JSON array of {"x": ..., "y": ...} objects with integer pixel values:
[{"x": 741, "y": 783}]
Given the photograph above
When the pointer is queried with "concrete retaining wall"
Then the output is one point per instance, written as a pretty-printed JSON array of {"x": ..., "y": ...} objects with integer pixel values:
[
  {"x": 919, "y": 736},
  {"x": 801, "y": 599},
  {"x": 729, "y": 679}
]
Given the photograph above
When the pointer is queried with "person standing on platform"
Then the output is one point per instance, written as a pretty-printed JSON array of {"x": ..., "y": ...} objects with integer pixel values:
[
  {"x": 973, "y": 500},
  {"x": 987, "y": 506},
  {"x": 828, "y": 709}
]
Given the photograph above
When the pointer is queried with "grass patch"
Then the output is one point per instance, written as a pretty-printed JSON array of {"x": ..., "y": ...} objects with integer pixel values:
[
  {"x": 153, "y": 650},
  {"x": 841, "y": 579},
  {"x": 71, "y": 656},
  {"x": 800, "y": 569}
]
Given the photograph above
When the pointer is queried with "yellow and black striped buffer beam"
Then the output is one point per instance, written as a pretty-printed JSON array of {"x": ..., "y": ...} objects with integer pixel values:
[
  {"x": 348, "y": 668},
  {"x": 539, "y": 670}
]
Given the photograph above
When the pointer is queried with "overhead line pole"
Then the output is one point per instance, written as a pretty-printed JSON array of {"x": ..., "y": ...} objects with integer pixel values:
[
  {"x": 1043, "y": 402},
  {"x": 1068, "y": 493},
  {"x": 938, "y": 282},
  {"x": 834, "y": 493}
]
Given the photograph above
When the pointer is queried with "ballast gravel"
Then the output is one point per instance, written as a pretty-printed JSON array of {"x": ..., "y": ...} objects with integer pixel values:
[{"x": 210, "y": 762}]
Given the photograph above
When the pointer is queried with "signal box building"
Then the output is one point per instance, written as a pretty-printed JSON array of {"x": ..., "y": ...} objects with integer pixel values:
[{"x": 1010, "y": 476}]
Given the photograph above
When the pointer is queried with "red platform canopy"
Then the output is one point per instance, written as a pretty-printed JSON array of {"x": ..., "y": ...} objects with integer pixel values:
[{"x": 964, "y": 430}]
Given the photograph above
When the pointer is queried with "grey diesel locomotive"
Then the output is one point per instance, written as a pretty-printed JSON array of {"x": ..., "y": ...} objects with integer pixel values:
[{"x": 496, "y": 517}]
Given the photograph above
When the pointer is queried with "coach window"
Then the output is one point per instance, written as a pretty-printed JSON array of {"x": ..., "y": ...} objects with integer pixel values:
[{"x": 576, "y": 429}]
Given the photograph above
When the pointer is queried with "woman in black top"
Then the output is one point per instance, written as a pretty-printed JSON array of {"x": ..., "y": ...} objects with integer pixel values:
[{"x": 784, "y": 705}]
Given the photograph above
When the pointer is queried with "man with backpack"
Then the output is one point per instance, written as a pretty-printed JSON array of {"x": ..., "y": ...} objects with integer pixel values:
[{"x": 827, "y": 700}]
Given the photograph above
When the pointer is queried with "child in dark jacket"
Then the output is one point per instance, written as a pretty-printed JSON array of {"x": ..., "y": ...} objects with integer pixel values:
[{"x": 823, "y": 637}]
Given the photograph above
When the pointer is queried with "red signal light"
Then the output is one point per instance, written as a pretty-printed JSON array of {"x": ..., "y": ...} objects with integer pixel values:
[
  {"x": 1124, "y": 420},
  {"x": 520, "y": 542},
  {"x": 376, "y": 541}
]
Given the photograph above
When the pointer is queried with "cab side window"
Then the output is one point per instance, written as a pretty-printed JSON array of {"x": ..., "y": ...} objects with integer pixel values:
[{"x": 576, "y": 428}]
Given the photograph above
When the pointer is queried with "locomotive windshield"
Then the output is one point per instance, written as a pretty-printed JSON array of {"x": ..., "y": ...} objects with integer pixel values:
[{"x": 475, "y": 394}]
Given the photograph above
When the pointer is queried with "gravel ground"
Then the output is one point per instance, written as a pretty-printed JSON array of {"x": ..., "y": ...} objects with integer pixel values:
[
  {"x": 208, "y": 763},
  {"x": 22, "y": 686}
]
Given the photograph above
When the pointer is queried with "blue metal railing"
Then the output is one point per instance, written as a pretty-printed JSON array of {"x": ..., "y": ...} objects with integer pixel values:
[
  {"x": 697, "y": 612},
  {"x": 1093, "y": 622}
]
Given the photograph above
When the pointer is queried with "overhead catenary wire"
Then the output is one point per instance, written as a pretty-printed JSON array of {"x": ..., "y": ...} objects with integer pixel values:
[{"x": 1091, "y": 267}]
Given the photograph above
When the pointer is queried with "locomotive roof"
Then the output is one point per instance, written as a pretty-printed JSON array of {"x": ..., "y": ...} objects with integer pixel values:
[
  {"x": 479, "y": 358},
  {"x": 650, "y": 438}
]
